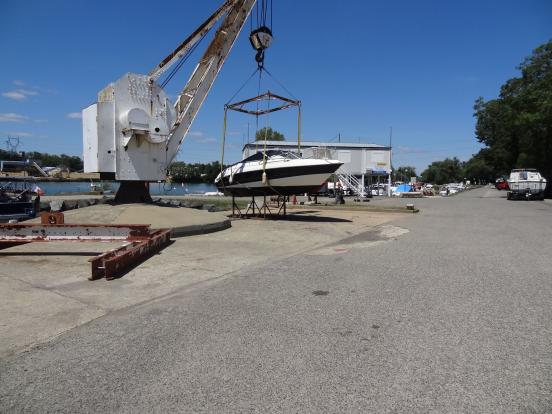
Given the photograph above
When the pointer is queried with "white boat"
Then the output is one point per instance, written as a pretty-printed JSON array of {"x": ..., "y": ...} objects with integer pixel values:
[
  {"x": 526, "y": 183},
  {"x": 275, "y": 173}
]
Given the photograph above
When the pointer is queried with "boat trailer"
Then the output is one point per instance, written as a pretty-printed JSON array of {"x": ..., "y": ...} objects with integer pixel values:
[{"x": 140, "y": 242}]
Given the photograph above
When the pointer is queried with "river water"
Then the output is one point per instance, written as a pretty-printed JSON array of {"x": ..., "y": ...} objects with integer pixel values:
[{"x": 76, "y": 187}]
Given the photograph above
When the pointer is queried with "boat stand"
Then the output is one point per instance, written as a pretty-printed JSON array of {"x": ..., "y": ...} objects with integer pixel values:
[
  {"x": 263, "y": 211},
  {"x": 139, "y": 241}
]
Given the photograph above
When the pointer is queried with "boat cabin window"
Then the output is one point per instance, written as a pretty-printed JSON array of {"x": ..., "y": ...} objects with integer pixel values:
[{"x": 259, "y": 155}]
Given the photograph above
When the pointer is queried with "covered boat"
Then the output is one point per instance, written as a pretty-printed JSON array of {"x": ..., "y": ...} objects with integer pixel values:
[
  {"x": 18, "y": 201},
  {"x": 526, "y": 183},
  {"x": 275, "y": 173}
]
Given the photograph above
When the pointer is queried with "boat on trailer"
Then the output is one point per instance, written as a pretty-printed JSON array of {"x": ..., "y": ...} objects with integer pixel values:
[
  {"x": 19, "y": 200},
  {"x": 526, "y": 183},
  {"x": 275, "y": 173}
]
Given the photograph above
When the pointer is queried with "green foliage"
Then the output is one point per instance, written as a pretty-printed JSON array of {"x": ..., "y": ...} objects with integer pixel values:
[
  {"x": 516, "y": 128},
  {"x": 269, "y": 134},
  {"x": 404, "y": 173},
  {"x": 479, "y": 168},
  {"x": 182, "y": 172},
  {"x": 442, "y": 172},
  {"x": 72, "y": 162}
]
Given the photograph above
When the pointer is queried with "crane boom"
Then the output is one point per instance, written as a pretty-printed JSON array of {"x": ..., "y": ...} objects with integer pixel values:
[
  {"x": 187, "y": 44},
  {"x": 194, "y": 93},
  {"x": 133, "y": 132}
]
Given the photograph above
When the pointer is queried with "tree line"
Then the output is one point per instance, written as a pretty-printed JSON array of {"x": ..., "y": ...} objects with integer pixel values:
[
  {"x": 72, "y": 162},
  {"x": 516, "y": 127},
  {"x": 182, "y": 172},
  {"x": 179, "y": 171}
]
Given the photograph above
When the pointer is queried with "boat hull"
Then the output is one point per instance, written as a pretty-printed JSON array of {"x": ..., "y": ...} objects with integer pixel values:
[
  {"x": 283, "y": 181},
  {"x": 18, "y": 210},
  {"x": 527, "y": 187}
]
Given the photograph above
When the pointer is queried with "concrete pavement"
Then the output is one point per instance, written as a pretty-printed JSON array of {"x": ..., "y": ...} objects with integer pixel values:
[
  {"x": 444, "y": 311},
  {"x": 181, "y": 221},
  {"x": 44, "y": 289}
]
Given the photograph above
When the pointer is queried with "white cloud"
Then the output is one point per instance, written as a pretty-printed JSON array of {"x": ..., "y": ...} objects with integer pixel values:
[
  {"x": 74, "y": 115},
  {"x": 208, "y": 141},
  {"x": 40, "y": 121},
  {"x": 11, "y": 117},
  {"x": 20, "y": 94},
  {"x": 27, "y": 92},
  {"x": 18, "y": 82},
  {"x": 410, "y": 150},
  {"x": 199, "y": 136},
  {"x": 195, "y": 134},
  {"x": 15, "y": 95},
  {"x": 16, "y": 133}
]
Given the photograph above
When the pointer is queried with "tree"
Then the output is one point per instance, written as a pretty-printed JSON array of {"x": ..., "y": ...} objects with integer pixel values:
[
  {"x": 442, "y": 172},
  {"x": 72, "y": 162},
  {"x": 516, "y": 127},
  {"x": 269, "y": 134},
  {"x": 404, "y": 173},
  {"x": 182, "y": 172},
  {"x": 478, "y": 169}
]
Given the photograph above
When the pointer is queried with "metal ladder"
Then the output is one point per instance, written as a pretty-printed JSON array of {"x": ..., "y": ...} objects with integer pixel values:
[{"x": 352, "y": 182}]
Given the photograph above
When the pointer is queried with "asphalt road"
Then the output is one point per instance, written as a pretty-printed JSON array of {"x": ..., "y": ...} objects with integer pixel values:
[{"x": 448, "y": 310}]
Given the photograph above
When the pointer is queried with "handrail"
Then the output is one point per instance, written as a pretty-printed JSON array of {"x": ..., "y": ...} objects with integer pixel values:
[{"x": 352, "y": 182}]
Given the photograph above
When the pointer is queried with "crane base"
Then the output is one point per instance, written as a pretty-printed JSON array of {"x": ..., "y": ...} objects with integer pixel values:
[{"x": 133, "y": 192}]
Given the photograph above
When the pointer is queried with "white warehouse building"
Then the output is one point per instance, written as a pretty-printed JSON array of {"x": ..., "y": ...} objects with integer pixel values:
[{"x": 369, "y": 162}]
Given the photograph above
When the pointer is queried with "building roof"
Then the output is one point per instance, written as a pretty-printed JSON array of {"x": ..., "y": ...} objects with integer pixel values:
[{"x": 310, "y": 144}]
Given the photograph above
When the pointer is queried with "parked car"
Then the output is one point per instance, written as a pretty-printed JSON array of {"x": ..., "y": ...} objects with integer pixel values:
[{"x": 502, "y": 184}]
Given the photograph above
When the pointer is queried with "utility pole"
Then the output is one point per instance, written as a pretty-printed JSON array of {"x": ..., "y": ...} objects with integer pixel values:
[
  {"x": 390, "y": 161},
  {"x": 12, "y": 144},
  {"x": 339, "y": 137}
]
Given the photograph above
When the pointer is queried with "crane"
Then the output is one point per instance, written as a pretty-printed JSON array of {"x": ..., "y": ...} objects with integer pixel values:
[{"x": 133, "y": 132}]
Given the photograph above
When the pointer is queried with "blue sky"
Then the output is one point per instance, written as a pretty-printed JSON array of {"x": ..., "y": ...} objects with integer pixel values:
[{"x": 359, "y": 67}]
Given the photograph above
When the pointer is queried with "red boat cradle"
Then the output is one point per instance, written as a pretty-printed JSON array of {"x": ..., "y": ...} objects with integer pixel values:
[{"x": 140, "y": 241}]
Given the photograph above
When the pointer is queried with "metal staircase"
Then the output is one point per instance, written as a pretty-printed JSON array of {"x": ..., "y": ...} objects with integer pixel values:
[
  {"x": 353, "y": 183},
  {"x": 40, "y": 170},
  {"x": 347, "y": 179}
]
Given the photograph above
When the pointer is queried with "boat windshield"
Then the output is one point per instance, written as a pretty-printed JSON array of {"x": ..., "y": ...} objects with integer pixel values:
[{"x": 258, "y": 156}]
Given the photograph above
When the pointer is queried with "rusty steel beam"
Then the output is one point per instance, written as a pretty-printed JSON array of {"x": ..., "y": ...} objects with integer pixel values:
[
  {"x": 114, "y": 262},
  {"x": 72, "y": 232},
  {"x": 4, "y": 244},
  {"x": 142, "y": 242}
]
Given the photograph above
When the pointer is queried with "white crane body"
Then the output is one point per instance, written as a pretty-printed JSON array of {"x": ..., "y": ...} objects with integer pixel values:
[{"x": 133, "y": 132}]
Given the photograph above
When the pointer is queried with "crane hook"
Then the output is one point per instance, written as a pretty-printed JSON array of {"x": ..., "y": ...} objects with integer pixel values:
[{"x": 260, "y": 39}]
